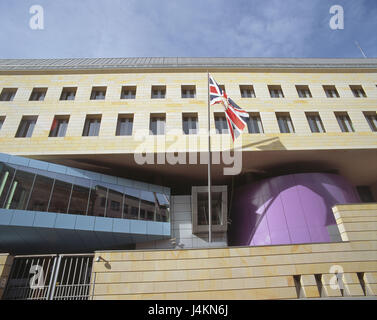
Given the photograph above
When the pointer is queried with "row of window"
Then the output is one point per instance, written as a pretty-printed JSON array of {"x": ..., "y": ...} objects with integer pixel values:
[
  {"x": 189, "y": 124},
  {"x": 159, "y": 92},
  {"x": 24, "y": 188}
]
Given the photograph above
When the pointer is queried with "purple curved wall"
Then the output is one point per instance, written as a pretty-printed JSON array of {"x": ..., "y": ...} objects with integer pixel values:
[{"x": 288, "y": 209}]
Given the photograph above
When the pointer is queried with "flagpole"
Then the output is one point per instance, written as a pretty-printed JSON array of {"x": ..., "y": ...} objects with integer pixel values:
[{"x": 209, "y": 167}]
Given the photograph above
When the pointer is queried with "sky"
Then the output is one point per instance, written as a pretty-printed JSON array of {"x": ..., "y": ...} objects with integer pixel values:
[{"x": 187, "y": 28}]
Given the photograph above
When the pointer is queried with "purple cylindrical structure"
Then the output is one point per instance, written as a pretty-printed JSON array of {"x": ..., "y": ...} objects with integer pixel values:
[{"x": 288, "y": 209}]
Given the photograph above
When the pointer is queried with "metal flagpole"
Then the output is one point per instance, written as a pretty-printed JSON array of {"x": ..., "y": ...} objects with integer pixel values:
[{"x": 209, "y": 167}]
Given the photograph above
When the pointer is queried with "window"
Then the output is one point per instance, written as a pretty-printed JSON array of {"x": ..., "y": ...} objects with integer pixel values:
[
  {"x": 128, "y": 92},
  {"x": 60, "y": 196},
  {"x": 98, "y": 93},
  {"x": 7, "y": 94},
  {"x": 40, "y": 194},
  {"x": 344, "y": 121},
  {"x": 358, "y": 92},
  {"x": 68, "y": 94},
  {"x": 157, "y": 124},
  {"x": 158, "y": 92},
  {"x": 247, "y": 91},
  {"x": 285, "y": 123},
  {"x": 254, "y": 123},
  {"x": 26, "y": 127},
  {"x": 190, "y": 123},
  {"x": 331, "y": 92},
  {"x": 114, "y": 200},
  {"x": 221, "y": 124},
  {"x": 276, "y": 92},
  {"x": 53, "y": 192},
  {"x": 97, "y": 201},
  {"x": 2, "y": 119},
  {"x": 38, "y": 94},
  {"x": 59, "y": 126},
  {"x": 315, "y": 122},
  {"x": 78, "y": 203},
  {"x": 371, "y": 119},
  {"x": 124, "y": 125},
  {"x": 200, "y": 215},
  {"x": 92, "y": 125},
  {"x": 188, "y": 91},
  {"x": 304, "y": 92},
  {"x": 365, "y": 193},
  {"x": 20, "y": 190}
]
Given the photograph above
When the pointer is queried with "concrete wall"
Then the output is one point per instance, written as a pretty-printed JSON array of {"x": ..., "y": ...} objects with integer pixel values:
[
  {"x": 181, "y": 224},
  {"x": 249, "y": 272},
  {"x": 5, "y": 267},
  {"x": 174, "y": 106}
]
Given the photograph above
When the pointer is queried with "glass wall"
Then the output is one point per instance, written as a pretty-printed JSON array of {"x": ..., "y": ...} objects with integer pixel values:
[{"x": 31, "y": 189}]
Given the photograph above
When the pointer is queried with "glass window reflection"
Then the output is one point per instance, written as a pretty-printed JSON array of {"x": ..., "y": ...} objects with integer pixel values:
[
  {"x": 40, "y": 195},
  {"x": 115, "y": 200},
  {"x": 98, "y": 196},
  {"x": 26, "y": 188},
  {"x": 20, "y": 190},
  {"x": 6, "y": 178},
  {"x": 80, "y": 197},
  {"x": 60, "y": 197}
]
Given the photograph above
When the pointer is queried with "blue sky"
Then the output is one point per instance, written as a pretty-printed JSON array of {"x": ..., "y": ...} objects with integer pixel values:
[{"x": 187, "y": 28}]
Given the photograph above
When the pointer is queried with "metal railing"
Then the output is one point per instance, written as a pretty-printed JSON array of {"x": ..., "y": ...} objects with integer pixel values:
[{"x": 50, "y": 277}]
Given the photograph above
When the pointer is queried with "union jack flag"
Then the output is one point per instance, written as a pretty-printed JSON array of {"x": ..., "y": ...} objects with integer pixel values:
[{"x": 235, "y": 116}]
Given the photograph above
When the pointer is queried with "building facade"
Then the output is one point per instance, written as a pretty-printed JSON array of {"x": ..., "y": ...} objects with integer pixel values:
[{"x": 108, "y": 157}]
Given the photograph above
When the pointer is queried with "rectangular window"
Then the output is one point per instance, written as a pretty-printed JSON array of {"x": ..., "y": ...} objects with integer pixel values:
[
  {"x": 124, "y": 125},
  {"x": 315, "y": 122},
  {"x": 188, "y": 91},
  {"x": 365, "y": 194},
  {"x": 344, "y": 122},
  {"x": 331, "y": 92},
  {"x": 98, "y": 93},
  {"x": 59, "y": 126},
  {"x": 358, "y": 92},
  {"x": 26, "y": 127},
  {"x": 222, "y": 87},
  {"x": 372, "y": 120},
  {"x": 40, "y": 195},
  {"x": 254, "y": 123},
  {"x": 220, "y": 123},
  {"x": 92, "y": 125},
  {"x": 20, "y": 191},
  {"x": 247, "y": 91},
  {"x": 68, "y": 94},
  {"x": 60, "y": 196},
  {"x": 199, "y": 205},
  {"x": 304, "y": 92},
  {"x": 285, "y": 123},
  {"x": 7, "y": 94},
  {"x": 158, "y": 92},
  {"x": 190, "y": 123},
  {"x": 114, "y": 200},
  {"x": 276, "y": 92},
  {"x": 38, "y": 94},
  {"x": 2, "y": 119},
  {"x": 128, "y": 92},
  {"x": 157, "y": 124},
  {"x": 78, "y": 203}
]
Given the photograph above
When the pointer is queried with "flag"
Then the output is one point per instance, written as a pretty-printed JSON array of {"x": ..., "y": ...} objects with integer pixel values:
[{"x": 235, "y": 116}]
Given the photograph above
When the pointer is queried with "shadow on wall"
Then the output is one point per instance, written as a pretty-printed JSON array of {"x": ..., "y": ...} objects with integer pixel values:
[{"x": 288, "y": 209}]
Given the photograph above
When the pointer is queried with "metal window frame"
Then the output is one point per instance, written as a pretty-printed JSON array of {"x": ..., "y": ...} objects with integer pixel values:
[{"x": 223, "y": 227}]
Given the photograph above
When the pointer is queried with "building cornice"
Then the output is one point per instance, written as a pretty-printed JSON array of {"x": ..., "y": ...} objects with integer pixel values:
[{"x": 103, "y": 64}]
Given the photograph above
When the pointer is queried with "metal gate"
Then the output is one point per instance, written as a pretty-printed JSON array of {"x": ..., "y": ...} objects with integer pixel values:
[{"x": 50, "y": 277}]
